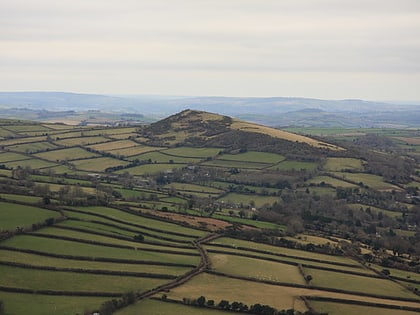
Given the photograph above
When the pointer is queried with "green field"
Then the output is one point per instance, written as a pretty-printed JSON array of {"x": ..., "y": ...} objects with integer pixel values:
[
  {"x": 38, "y": 260},
  {"x": 14, "y": 215},
  {"x": 21, "y": 198},
  {"x": 259, "y": 201},
  {"x": 193, "y": 152},
  {"x": 69, "y": 142},
  {"x": 18, "y": 303},
  {"x": 157, "y": 224},
  {"x": 333, "y": 308},
  {"x": 193, "y": 187},
  {"x": 33, "y": 147},
  {"x": 11, "y": 156},
  {"x": 342, "y": 281},
  {"x": 154, "y": 307},
  {"x": 62, "y": 247},
  {"x": 72, "y": 281},
  {"x": 343, "y": 164},
  {"x": 32, "y": 163},
  {"x": 253, "y": 156},
  {"x": 66, "y": 154},
  {"x": 373, "y": 181},
  {"x": 237, "y": 164},
  {"x": 148, "y": 169},
  {"x": 330, "y": 181},
  {"x": 97, "y": 164},
  {"x": 256, "y": 268},
  {"x": 293, "y": 165}
]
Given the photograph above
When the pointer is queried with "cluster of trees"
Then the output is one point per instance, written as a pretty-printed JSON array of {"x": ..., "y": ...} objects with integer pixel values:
[
  {"x": 109, "y": 307},
  {"x": 257, "y": 308}
]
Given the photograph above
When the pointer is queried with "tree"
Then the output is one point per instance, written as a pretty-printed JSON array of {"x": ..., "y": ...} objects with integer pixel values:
[{"x": 201, "y": 301}]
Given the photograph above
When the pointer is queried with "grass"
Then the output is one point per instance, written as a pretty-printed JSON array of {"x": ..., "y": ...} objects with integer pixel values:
[
  {"x": 98, "y": 164},
  {"x": 33, "y": 147},
  {"x": 221, "y": 288},
  {"x": 399, "y": 273},
  {"x": 158, "y": 157},
  {"x": 69, "y": 142},
  {"x": 22, "y": 140},
  {"x": 392, "y": 214},
  {"x": 330, "y": 181},
  {"x": 259, "y": 201},
  {"x": 66, "y": 154},
  {"x": 257, "y": 224},
  {"x": 14, "y": 215},
  {"x": 256, "y": 268},
  {"x": 154, "y": 307},
  {"x": 150, "y": 169},
  {"x": 117, "y": 231},
  {"x": 22, "y": 198},
  {"x": 37, "y": 260},
  {"x": 333, "y": 308},
  {"x": 32, "y": 163},
  {"x": 37, "y": 304},
  {"x": 110, "y": 240},
  {"x": 294, "y": 165},
  {"x": 193, "y": 187},
  {"x": 133, "y": 151},
  {"x": 342, "y": 164},
  {"x": 283, "y": 250},
  {"x": 193, "y": 152},
  {"x": 113, "y": 145},
  {"x": 342, "y": 281},
  {"x": 373, "y": 181},
  {"x": 70, "y": 281},
  {"x": 11, "y": 156},
  {"x": 62, "y": 247},
  {"x": 253, "y": 156},
  {"x": 235, "y": 164}
]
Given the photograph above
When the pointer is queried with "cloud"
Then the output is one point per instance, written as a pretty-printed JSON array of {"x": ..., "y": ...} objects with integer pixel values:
[{"x": 222, "y": 38}]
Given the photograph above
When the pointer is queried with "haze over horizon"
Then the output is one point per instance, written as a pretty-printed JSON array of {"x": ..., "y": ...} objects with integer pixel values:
[{"x": 328, "y": 49}]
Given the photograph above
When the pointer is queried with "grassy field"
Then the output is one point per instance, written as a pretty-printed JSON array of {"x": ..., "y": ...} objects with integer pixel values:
[
  {"x": 33, "y": 147},
  {"x": 330, "y": 181},
  {"x": 165, "y": 226},
  {"x": 110, "y": 240},
  {"x": 66, "y": 154},
  {"x": 62, "y": 247},
  {"x": 283, "y": 250},
  {"x": 373, "y": 181},
  {"x": 293, "y": 165},
  {"x": 14, "y": 215},
  {"x": 333, "y": 308},
  {"x": 97, "y": 164},
  {"x": 21, "y": 198},
  {"x": 193, "y": 187},
  {"x": 342, "y": 281},
  {"x": 342, "y": 164},
  {"x": 247, "y": 199},
  {"x": 256, "y": 268},
  {"x": 113, "y": 145},
  {"x": 193, "y": 152},
  {"x": 32, "y": 163},
  {"x": 150, "y": 169},
  {"x": 392, "y": 214},
  {"x": 237, "y": 164},
  {"x": 11, "y": 156},
  {"x": 37, "y": 260},
  {"x": 22, "y": 140},
  {"x": 218, "y": 288},
  {"x": 158, "y": 157},
  {"x": 81, "y": 141},
  {"x": 71, "y": 281},
  {"x": 154, "y": 307},
  {"x": 17, "y": 303},
  {"x": 253, "y": 156},
  {"x": 133, "y": 151}
]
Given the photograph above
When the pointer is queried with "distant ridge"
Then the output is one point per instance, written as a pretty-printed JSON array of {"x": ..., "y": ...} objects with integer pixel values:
[{"x": 272, "y": 111}]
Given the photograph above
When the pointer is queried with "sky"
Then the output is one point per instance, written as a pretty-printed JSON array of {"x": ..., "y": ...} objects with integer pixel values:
[{"x": 330, "y": 49}]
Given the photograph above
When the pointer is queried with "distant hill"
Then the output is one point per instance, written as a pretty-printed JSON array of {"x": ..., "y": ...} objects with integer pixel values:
[
  {"x": 199, "y": 128},
  {"x": 272, "y": 111}
]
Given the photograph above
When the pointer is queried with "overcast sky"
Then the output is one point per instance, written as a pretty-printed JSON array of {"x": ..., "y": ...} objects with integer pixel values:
[{"x": 332, "y": 49}]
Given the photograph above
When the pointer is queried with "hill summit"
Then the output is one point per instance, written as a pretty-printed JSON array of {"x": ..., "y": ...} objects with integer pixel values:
[{"x": 199, "y": 128}]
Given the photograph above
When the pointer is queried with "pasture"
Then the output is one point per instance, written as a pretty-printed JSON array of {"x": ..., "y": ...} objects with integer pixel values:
[
  {"x": 97, "y": 164},
  {"x": 333, "y": 308},
  {"x": 66, "y": 154},
  {"x": 18, "y": 303},
  {"x": 15, "y": 215},
  {"x": 255, "y": 268},
  {"x": 342, "y": 164}
]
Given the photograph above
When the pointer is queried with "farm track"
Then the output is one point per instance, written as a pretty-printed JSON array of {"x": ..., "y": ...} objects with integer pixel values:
[{"x": 204, "y": 265}]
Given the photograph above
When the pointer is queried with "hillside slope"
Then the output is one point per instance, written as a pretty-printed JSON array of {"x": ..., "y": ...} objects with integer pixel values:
[{"x": 200, "y": 128}]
